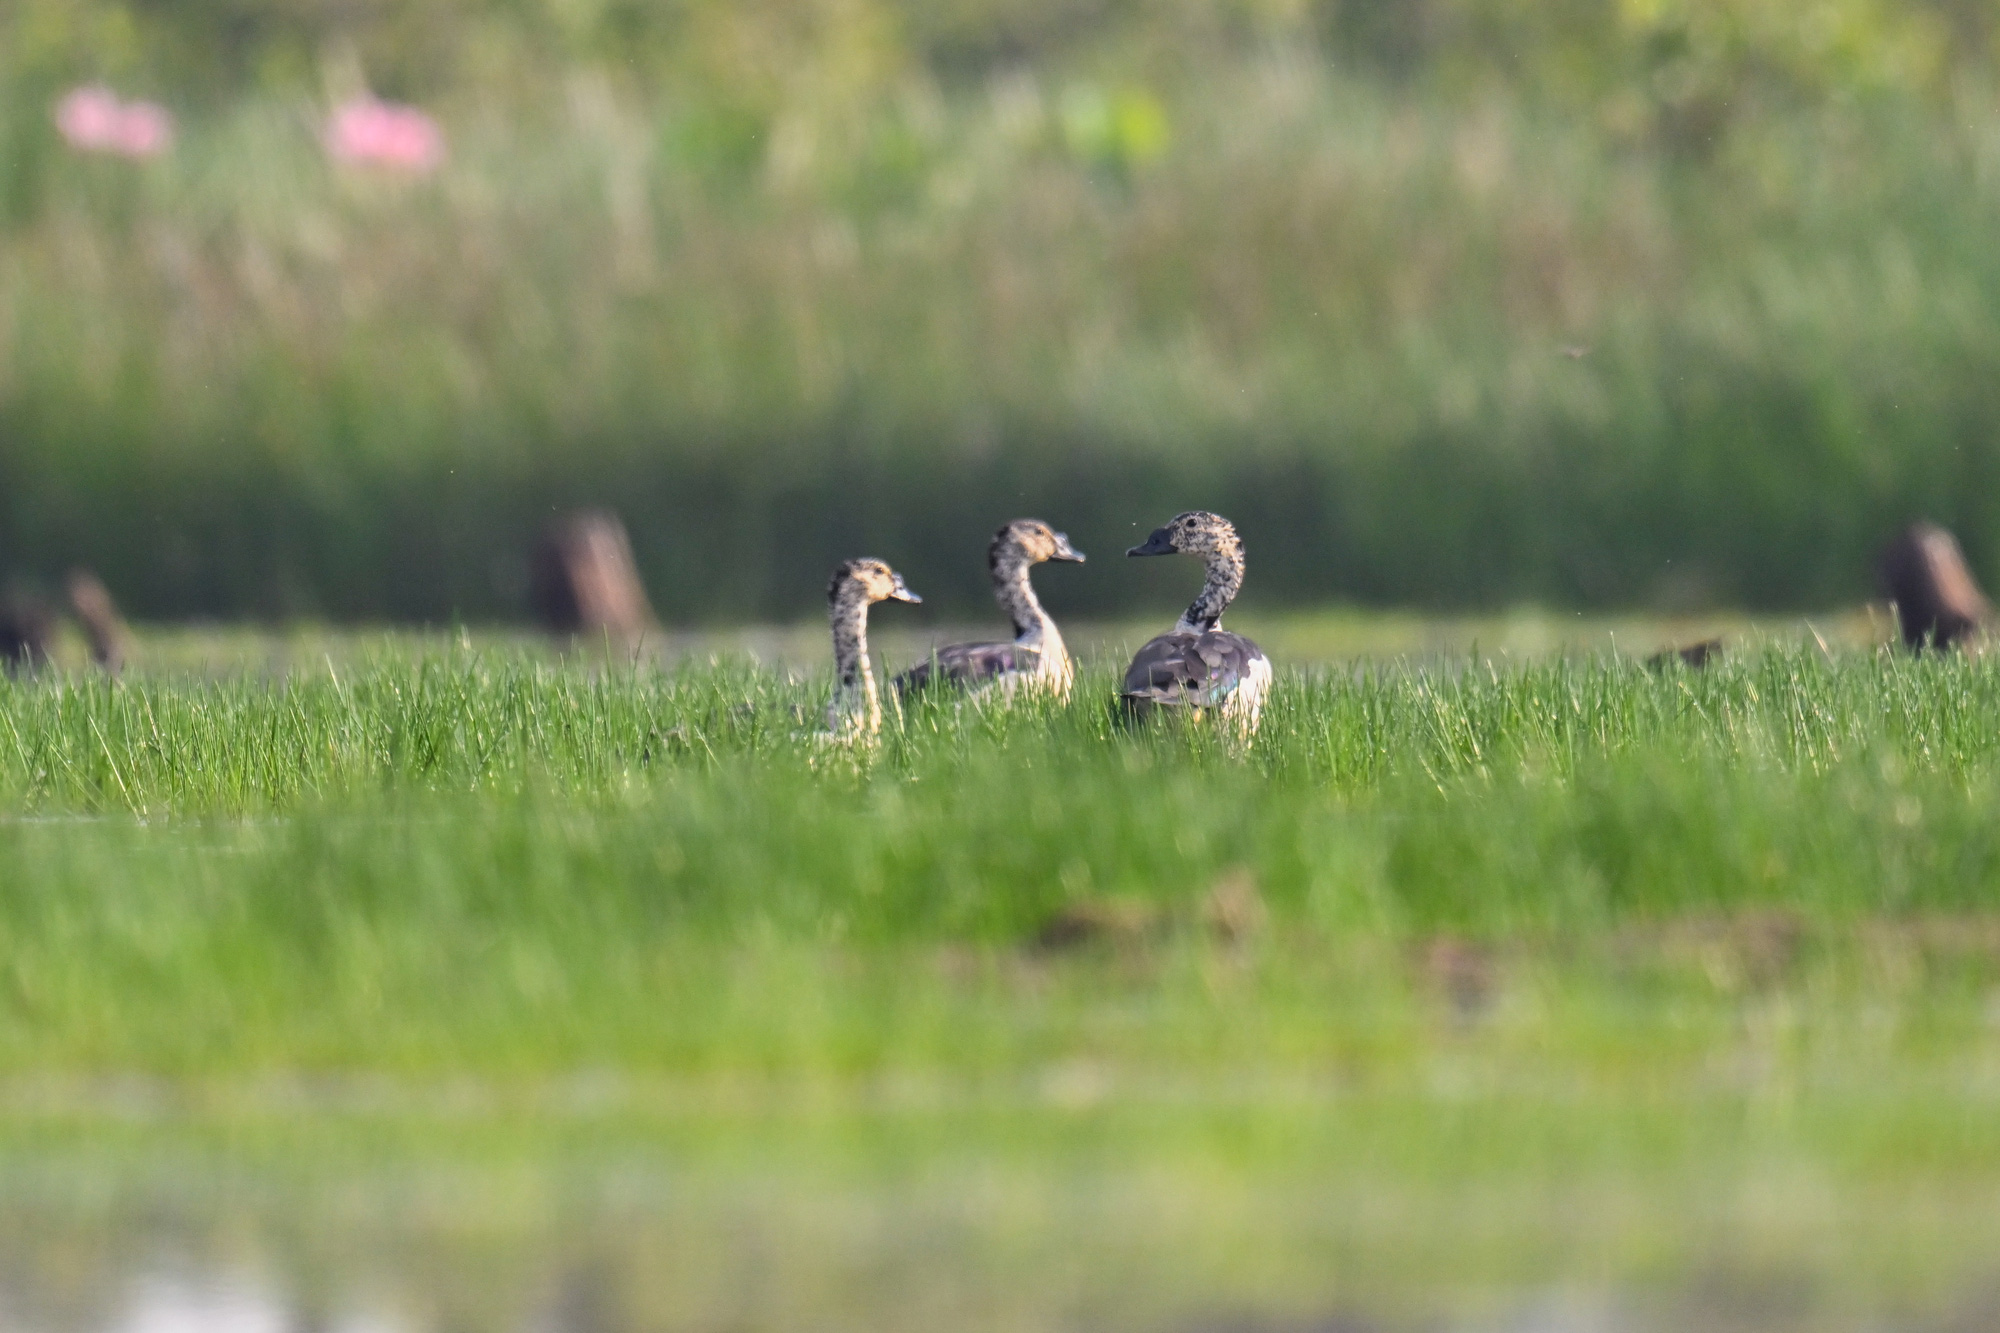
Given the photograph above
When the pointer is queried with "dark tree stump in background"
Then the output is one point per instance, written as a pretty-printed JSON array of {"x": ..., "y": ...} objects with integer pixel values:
[
  {"x": 26, "y": 630},
  {"x": 1937, "y": 602},
  {"x": 103, "y": 627},
  {"x": 1693, "y": 656},
  {"x": 583, "y": 580}
]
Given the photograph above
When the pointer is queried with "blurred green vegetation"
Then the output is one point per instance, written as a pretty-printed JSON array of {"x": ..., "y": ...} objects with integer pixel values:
[{"x": 1450, "y": 301}]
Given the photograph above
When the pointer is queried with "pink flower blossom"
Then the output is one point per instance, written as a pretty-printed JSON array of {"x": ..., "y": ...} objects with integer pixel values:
[
  {"x": 92, "y": 120},
  {"x": 89, "y": 118},
  {"x": 146, "y": 130},
  {"x": 365, "y": 130}
]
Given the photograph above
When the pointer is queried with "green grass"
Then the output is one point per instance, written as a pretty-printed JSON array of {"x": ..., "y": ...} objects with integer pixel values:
[
  {"x": 490, "y": 860},
  {"x": 454, "y": 973}
]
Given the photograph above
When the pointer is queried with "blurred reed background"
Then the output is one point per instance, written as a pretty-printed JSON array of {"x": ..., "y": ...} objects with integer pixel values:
[{"x": 1641, "y": 303}]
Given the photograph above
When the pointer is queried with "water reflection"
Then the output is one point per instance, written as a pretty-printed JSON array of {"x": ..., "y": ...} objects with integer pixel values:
[
  {"x": 226, "y": 1303},
  {"x": 203, "y": 1243},
  {"x": 184, "y": 1300},
  {"x": 178, "y": 1301}
]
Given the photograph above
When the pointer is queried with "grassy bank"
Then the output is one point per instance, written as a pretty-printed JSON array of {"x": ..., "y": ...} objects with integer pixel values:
[
  {"x": 465, "y": 862},
  {"x": 872, "y": 293}
]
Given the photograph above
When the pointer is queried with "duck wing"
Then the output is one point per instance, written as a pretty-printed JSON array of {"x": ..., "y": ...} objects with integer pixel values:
[
  {"x": 967, "y": 664},
  {"x": 1184, "y": 669}
]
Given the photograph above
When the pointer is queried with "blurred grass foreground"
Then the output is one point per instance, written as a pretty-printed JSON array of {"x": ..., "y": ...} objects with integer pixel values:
[
  {"x": 457, "y": 989},
  {"x": 1663, "y": 302}
]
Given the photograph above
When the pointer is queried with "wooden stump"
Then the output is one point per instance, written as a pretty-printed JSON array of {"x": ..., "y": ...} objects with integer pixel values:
[
  {"x": 26, "y": 631},
  {"x": 583, "y": 580},
  {"x": 1937, "y": 602},
  {"x": 103, "y": 627},
  {"x": 1693, "y": 656}
]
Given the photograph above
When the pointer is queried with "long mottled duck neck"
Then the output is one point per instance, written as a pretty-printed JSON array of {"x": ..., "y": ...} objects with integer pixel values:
[
  {"x": 1033, "y": 627},
  {"x": 856, "y": 706},
  {"x": 1016, "y": 595},
  {"x": 1225, "y": 580}
]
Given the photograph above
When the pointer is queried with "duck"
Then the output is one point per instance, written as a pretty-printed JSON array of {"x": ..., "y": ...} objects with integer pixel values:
[
  {"x": 1198, "y": 666},
  {"x": 855, "y": 714},
  {"x": 1037, "y": 657}
]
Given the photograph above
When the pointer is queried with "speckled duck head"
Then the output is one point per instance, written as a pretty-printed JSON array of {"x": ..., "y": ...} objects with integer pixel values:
[
  {"x": 1214, "y": 538},
  {"x": 1018, "y": 547},
  {"x": 1029, "y": 541},
  {"x": 856, "y": 711},
  {"x": 864, "y": 582}
]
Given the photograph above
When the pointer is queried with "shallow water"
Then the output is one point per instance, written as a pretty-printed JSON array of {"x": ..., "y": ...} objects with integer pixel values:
[
  {"x": 241, "y": 1233},
  {"x": 177, "y": 1297}
]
